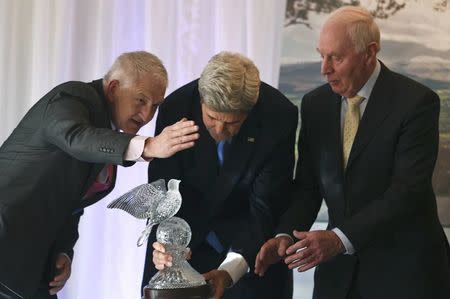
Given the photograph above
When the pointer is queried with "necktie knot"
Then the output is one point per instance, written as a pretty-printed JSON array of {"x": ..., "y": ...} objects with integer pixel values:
[
  {"x": 355, "y": 101},
  {"x": 221, "y": 151}
]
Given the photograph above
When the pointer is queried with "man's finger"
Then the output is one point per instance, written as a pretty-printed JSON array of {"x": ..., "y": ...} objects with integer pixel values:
[
  {"x": 181, "y": 124},
  {"x": 300, "y": 255},
  {"x": 179, "y": 147},
  {"x": 53, "y": 291},
  {"x": 300, "y": 235},
  {"x": 162, "y": 259},
  {"x": 185, "y": 138},
  {"x": 307, "y": 266},
  {"x": 297, "y": 246},
  {"x": 184, "y": 131},
  {"x": 56, "y": 283},
  {"x": 218, "y": 293},
  {"x": 208, "y": 275},
  {"x": 64, "y": 275},
  {"x": 158, "y": 246},
  {"x": 260, "y": 268}
]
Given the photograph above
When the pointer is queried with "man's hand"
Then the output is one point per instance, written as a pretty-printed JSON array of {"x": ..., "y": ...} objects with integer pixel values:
[
  {"x": 271, "y": 252},
  {"x": 219, "y": 280},
  {"x": 161, "y": 259},
  {"x": 313, "y": 248},
  {"x": 64, "y": 268},
  {"x": 174, "y": 138}
]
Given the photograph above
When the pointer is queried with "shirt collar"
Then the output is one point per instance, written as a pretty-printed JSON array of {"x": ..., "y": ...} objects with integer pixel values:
[{"x": 366, "y": 90}]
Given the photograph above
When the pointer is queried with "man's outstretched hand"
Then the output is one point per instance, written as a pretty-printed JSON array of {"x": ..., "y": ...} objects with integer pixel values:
[
  {"x": 177, "y": 137},
  {"x": 271, "y": 252},
  {"x": 313, "y": 248},
  {"x": 219, "y": 280}
]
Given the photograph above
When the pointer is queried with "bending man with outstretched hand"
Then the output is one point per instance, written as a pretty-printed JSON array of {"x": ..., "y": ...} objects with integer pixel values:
[
  {"x": 235, "y": 180},
  {"x": 62, "y": 157}
]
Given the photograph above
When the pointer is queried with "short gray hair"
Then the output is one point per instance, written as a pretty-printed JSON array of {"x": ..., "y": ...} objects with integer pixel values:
[
  {"x": 229, "y": 83},
  {"x": 360, "y": 24},
  {"x": 130, "y": 67}
]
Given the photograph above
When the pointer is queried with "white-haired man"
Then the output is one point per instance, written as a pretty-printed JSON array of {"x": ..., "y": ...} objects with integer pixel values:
[
  {"x": 62, "y": 157},
  {"x": 368, "y": 145},
  {"x": 234, "y": 181}
]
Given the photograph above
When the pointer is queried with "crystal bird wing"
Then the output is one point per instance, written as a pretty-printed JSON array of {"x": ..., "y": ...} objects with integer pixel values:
[{"x": 142, "y": 201}]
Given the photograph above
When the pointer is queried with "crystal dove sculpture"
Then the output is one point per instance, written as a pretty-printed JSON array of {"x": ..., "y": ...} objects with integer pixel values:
[{"x": 150, "y": 201}]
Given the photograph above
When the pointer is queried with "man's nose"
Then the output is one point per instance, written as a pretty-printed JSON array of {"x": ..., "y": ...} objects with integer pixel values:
[
  {"x": 325, "y": 67},
  {"x": 218, "y": 127},
  {"x": 147, "y": 113}
]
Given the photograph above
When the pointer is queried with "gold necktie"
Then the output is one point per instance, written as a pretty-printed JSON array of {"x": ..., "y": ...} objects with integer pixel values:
[{"x": 351, "y": 122}]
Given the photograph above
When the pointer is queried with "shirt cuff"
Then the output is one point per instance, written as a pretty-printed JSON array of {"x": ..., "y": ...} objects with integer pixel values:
[
  {"x": 349, "y": 249},
  {"x": 135, "y": 149},
  {"x": 235, "y": 265}
]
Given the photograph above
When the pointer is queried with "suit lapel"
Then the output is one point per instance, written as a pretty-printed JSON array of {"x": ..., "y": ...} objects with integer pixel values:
[
  {"x": 335, "y": 144},
  {"x": 238, "y": 157},
  {"x": 331, "y": 134},
  {"x": 378, "y": 108},
  {"x": 203, "y": 170}
]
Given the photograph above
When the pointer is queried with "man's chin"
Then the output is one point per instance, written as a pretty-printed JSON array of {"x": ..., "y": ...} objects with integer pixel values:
[{"x": 131, "y": 130}]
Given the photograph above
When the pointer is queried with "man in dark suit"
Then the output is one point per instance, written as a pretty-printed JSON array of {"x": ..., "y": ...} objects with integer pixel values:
[
  {"x": 233, "y": 198},
  {"x": 60, "y": 159},
  {"x": 368, "y": 146}
]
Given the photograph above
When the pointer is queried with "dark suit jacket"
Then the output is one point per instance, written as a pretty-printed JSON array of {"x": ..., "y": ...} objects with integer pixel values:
[
  {"x": 384, "y": 202},
  {"x": 46, "y": 166},
  {"x": 242, "y": 201}
]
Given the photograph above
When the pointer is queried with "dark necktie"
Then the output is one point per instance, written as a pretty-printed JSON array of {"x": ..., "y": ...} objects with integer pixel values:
[
  {"x": 212, "y": 237},
  {"x": 222, "y": 147}
]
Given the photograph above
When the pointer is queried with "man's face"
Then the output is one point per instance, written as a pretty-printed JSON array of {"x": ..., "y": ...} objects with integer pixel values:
[
  {"x": 133, "y": 105},
  {"x": 345, "y": 70},
  {"x": 222, "y": 125}
]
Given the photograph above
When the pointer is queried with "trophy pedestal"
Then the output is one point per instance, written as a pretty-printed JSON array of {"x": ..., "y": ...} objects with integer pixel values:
[{"x": 201, "y": 292}]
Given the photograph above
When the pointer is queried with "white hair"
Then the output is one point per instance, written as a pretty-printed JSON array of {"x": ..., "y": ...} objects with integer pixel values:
[
  {"x": 130, "y": 67},
  {"x": 229, "y": 83},
  {"x": 360, "y": 24}
]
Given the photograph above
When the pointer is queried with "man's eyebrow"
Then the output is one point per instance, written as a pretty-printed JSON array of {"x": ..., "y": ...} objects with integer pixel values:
[{"x": 143, "y": 95}]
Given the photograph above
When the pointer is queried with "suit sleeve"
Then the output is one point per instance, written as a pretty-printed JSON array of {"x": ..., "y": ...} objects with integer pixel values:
[
  {"x": 69, "y": 123},
  {"x": 66, "y": 239},
  {"x": 410, "y": 184},
  {"x": 68, "y": 235},
  {"x": 268, "y": 197},
  {"x": 306, "y": 198}
]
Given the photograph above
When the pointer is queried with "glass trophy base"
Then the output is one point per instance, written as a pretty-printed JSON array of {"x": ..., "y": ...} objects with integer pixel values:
[{"x": 200, "y": 292}]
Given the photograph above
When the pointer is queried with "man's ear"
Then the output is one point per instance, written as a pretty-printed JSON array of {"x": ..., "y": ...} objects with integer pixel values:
[
  {"x": 371, "y": 51},
  {"x": 110, "y": 88}
]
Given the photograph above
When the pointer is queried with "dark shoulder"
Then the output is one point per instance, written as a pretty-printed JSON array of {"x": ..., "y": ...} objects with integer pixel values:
[
  {"x": 179, "y": 104},
  {"x": 180, "y": 101},
  {"x": 402, "y": 84},
  {"x": 78, "y": 89},
  {"x": 274, "y": 103},
  {"x": 318, "y": 96}
]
